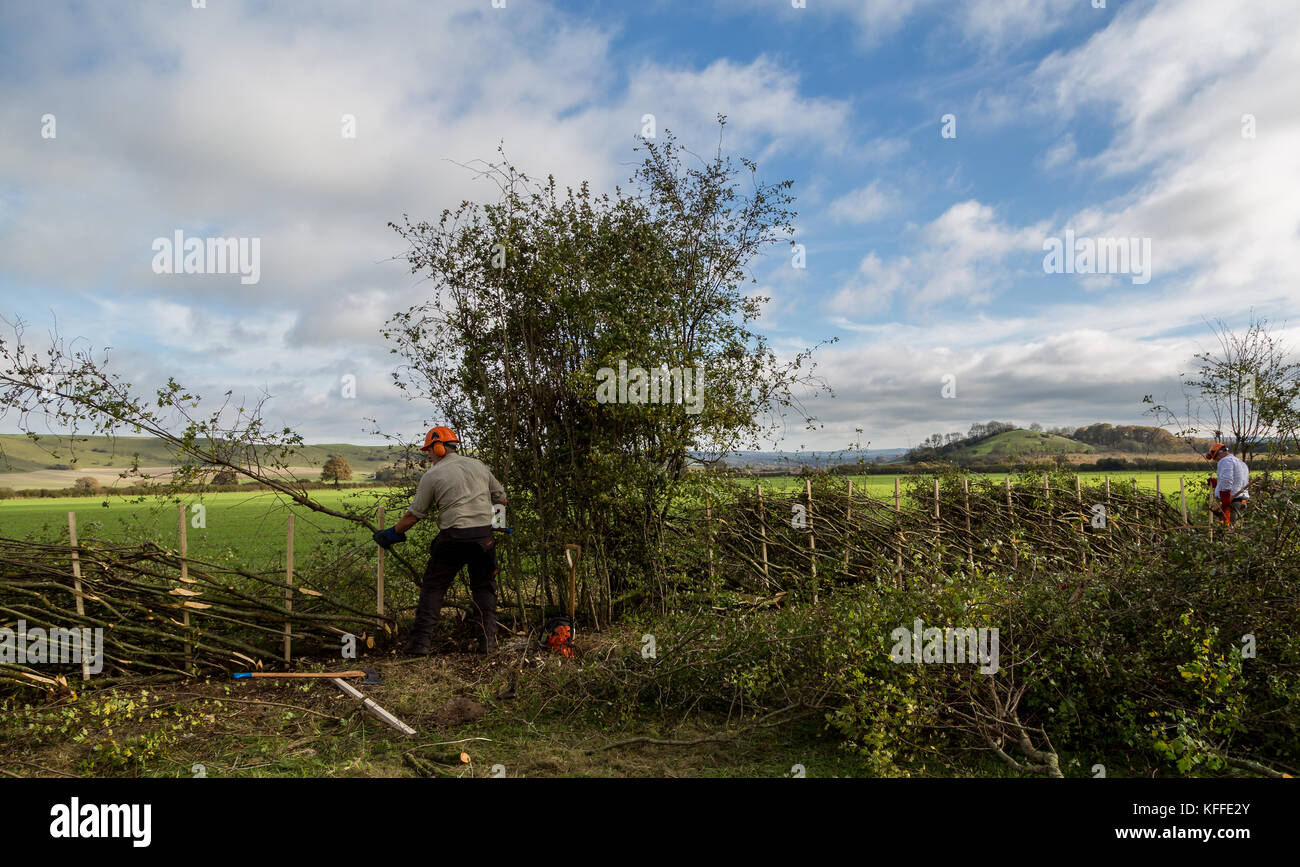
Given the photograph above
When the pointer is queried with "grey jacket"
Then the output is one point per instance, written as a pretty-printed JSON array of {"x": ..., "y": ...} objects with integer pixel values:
[{"x": 462, "y": 489}]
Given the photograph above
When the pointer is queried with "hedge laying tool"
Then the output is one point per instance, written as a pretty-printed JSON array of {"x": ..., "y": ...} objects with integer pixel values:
[{"x": 369, "y": 675}]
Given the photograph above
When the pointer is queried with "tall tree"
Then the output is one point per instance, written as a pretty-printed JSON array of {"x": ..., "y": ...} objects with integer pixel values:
[
  {"x": 539, "y": 297},
  {"x": 336, "y": 469},
  {"x": 1244, "y": 391}
]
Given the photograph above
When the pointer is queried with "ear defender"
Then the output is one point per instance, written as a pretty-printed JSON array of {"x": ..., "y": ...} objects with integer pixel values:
[{"x": 435, "y": 438}]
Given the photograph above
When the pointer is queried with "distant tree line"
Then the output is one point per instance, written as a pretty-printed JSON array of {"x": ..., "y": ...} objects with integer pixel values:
[
  {"x": 1130, "y": 438},
  {"x": 82, "y": 488},
  {"x": 1133, "y": 439},
  {"x": 939, "y": 444}
]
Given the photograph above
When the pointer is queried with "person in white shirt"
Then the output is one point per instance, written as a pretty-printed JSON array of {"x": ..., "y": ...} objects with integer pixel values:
[{"x": 1232, "y": 477}]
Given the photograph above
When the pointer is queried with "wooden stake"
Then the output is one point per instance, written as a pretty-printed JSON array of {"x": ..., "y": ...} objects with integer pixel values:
[
  {"x": 1137, "y": 504},
  {"x": 898, "y": 509},
  {"x": 970, "y": 554},
  {"x": 1159, "y": 511},
  {"x": 1011, "y": 510},
  {"x": 76, "y": 586},
  {"x": 185, "y": 578},
  {"x": 848, "y": 528},
  {"x": 936, "y": 521},
  {"x": 379, "y": 571},
  {"x": 708, "y": 528},
  {"x": 1083, "y": 522},
  {"x": 1182, "y": 498},
  {"x": 288, "y": 593},
  {"x": 762, "y": 530},
  {"x": 573, "y": 553},
  {"x": 812, "y": 542}
]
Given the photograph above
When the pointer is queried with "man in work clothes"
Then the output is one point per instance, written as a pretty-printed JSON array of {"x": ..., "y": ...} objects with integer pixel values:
[
  {"x": 463, "y": 490},
  {"x": 1231, "y": 478}
]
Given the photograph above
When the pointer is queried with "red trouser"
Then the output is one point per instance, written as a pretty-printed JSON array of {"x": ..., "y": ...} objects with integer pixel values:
[{"x": 1231, "y": 507}]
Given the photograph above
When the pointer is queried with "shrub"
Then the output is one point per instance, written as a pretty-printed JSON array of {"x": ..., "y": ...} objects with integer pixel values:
[{"x": 1172, "y": 659}]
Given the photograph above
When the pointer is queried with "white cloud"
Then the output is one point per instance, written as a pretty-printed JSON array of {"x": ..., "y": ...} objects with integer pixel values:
[
  {"x": 1063, "y": 152},
  {"x": 227, "y": 122},
  {"x": 960, "y": 257},
  {"x": 1178, "y": 78},
  {"x": 873, "y": 284},
  {"x": 990, "y": 25},
  {"x": 766, "y": 112},
  {"x": 893, "y": 387},
  {"x": 864, "y": 205}
]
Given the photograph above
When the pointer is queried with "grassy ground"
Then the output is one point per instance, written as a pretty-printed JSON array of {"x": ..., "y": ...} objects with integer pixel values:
[
  {"x": 249, "y": 528},
  {"x": 269, "y": 728}
]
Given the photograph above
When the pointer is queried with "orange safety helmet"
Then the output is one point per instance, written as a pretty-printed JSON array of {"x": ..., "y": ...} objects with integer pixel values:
[
  {"x": 1214, "y": 450},
  {"x": 436, "y": 437}
]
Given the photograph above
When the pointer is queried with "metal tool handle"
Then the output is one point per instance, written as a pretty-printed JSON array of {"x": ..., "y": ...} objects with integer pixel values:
[{"x": 246, "y": 675}]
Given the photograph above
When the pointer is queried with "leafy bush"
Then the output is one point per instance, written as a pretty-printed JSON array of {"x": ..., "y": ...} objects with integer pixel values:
[{"x": 1179, "y": 660}]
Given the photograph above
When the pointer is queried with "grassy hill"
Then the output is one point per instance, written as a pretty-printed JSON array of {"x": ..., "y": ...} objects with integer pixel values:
[
  {"x": 1021, "y": 444},
  {"x": 19, "y": 454}
]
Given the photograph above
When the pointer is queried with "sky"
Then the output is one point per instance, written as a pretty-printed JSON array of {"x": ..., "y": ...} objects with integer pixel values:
[{"x": 935, "y": 147}]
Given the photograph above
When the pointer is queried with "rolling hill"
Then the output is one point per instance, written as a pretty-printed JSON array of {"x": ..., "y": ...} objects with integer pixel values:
[
  {"x": 19, "y": 454},
  {"x": 1021, "y": 444}
]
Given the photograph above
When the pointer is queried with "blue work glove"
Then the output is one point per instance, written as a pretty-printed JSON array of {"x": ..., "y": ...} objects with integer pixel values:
[{"x": 389, "y": 537}]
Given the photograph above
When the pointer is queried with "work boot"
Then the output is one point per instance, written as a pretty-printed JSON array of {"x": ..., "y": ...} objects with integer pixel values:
[
  {"x": 427, "y": 614},
  {"x": 416, "y": 646},
  {"x": 487, "y": 644}
]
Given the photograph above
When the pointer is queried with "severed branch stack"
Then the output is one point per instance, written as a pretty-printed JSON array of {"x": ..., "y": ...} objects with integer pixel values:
[{"x": 131, "y": 593}]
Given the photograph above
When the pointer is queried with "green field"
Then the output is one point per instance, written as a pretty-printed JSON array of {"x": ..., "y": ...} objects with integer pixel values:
[
  {"x": 250, "y": 528},
  {"x": 245, "y": 528}
]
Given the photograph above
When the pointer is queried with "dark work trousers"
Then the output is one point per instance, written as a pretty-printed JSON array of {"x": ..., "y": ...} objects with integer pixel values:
[{"x": 447, "y": 555}]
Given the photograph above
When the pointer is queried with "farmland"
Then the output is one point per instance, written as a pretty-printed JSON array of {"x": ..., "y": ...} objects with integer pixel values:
[
  {"x": 882, "y": 486},
  {"x": 248, "y": 528},
  {"x": 253, "y": 524},
  {"x": 56, "y": 462}
]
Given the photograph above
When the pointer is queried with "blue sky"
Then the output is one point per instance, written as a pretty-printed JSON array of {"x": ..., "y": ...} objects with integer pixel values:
[{"x": 924, "y": 253}]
